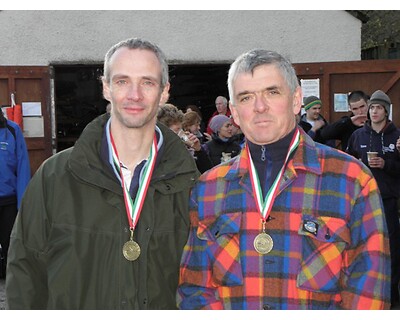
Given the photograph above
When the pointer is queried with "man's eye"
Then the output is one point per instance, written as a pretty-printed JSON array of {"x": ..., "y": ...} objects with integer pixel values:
[
  {"x": 244, "y": 98},
  {"x": 150, "y": 83},
  {"x": 121, "y": 82}
]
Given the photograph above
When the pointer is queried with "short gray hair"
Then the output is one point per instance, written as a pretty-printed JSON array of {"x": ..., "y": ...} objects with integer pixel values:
[
  {"x": 247, "y": 62},
  {"x": 137, "y": 43}
]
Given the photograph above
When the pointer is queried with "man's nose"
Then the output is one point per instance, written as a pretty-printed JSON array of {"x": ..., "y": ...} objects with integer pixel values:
[
  {"x": 135, "y": 91},
  {"x": 261, "y": 104}
]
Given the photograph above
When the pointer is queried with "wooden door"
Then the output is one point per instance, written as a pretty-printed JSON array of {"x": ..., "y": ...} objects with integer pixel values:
[
  {"x": 30, "y": 84},
  {"x": 344, "y": 77}
]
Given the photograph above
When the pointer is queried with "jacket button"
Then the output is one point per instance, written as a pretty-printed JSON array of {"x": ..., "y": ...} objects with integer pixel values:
[{"x": 267, "y": 307}]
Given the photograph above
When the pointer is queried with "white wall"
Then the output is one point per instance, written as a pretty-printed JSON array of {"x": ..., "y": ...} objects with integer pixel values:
[{"x": 52, "y": 37}]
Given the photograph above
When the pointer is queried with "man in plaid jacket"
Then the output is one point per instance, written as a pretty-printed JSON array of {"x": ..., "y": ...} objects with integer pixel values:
[{"x": 289, "y": 223}]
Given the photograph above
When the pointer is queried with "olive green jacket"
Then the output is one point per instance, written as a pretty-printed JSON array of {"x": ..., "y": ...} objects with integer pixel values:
[{"x": 66, "y": 245}]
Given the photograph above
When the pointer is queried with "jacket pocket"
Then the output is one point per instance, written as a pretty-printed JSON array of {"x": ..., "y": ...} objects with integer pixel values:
[
  {"x": 222, "y": 236},
  {"x": 323, "y": 242}
]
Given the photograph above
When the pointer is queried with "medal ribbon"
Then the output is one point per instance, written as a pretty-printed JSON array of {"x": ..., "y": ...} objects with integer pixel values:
[
  {"x": 265, "y": 206},
  {"x": 133, "y": 208}
]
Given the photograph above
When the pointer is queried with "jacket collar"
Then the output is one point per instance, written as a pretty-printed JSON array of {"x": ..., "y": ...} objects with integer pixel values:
[
  {"x": 86, "y": 164},
  {"x": 304, "y": 158},
  {"x": 106, "y": 154}
]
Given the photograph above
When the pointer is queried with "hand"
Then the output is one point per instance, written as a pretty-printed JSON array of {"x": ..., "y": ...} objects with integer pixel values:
[
  {"x": 208, "y": 137},
  {"x": 398, "y": 144},
  {"x": 318, "y": 124},
  {"x": 359, "y": 120},
  {"x": 376, "y": 162},
  {"x": 193, "y": 142}
]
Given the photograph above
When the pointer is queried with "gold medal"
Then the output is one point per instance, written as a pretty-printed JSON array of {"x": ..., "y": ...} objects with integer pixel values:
[
  {"x": 131, "y": 250},
  {"x": 263, "y": 243}
]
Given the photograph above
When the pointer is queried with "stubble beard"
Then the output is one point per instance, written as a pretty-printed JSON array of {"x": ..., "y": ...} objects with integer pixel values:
[{"x": 136, "y": 122}]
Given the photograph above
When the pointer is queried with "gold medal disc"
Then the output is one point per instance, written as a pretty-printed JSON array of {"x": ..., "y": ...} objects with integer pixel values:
[
  {"x": 263, "y": 243},
  {"x": 131, "y": 250}
]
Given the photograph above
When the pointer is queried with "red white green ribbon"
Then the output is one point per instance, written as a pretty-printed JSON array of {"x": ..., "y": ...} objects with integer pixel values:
[
  {"x": 265, "y": 205},
  {"x": 133, "y": 208}
]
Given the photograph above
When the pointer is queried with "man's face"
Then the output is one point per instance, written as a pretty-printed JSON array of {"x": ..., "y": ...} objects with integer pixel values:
[
  {"x": 134, "y": 89},
  {"x": 314, "y": 112},
  {"x": 264, "y": 107},
  {"x": 377, "y": 113},
  {"x": 221, "y": 106},
  {"x": 359, "y": 107}
]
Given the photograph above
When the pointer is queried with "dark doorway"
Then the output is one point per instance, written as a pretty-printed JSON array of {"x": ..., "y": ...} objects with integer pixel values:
[
  {"x": 79, "y": 98},
  {"x": 199, "y": 85}
]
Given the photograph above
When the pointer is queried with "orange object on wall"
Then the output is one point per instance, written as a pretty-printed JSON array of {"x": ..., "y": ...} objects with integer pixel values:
[
  {"x": 10, "y": 113},
  {"x": 18, "y": 115}
]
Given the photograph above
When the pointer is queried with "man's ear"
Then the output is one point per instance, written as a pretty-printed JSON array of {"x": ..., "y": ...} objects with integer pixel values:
[
  {"x": 297, "y": 100},
  {"x": 234, "y": 113},
  {"x": 106, "y": 90},
  {"x": 165, "y": 94}
]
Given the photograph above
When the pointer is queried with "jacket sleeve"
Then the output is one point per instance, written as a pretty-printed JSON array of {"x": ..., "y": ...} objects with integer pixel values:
[
  {"x": 23, "y": 166},
  {"x": 203, "y": 160},
  {"x": 335, "y": 130},
  {"x": 367, "y": 260},
  {"x": 195, "y": 290},
  {"x": 26, "y": 278}
]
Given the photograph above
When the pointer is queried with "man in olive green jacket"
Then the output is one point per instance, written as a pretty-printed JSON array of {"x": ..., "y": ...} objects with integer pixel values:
[{"x": 86, "y": 236}]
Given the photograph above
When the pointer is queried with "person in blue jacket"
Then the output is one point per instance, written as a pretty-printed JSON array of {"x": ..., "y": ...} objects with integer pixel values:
[{"x": 14, "y": 177}]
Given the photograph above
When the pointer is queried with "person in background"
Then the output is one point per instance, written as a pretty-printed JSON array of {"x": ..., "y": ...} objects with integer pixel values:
[
  {"x": 173, "y": 118},
  {"x": 170, "y": 116},
  {"x": 221, "y": 104},
  {"x": 380, "y": 135},
  {"x": 191, "y": 125},
  {"x": 193, "y": 107},
  {"x": 289, "y": 223},
  {"x": 312, "y": 121},
  {"x": 15, "y": 174},
  {"x": 102, "y": 225},
  {"x": 223, "y": 145},
  {"x": 343, "y": 128}
]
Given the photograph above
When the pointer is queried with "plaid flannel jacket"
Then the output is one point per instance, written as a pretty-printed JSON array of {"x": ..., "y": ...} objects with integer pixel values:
[{"x": 331, "y": 248}]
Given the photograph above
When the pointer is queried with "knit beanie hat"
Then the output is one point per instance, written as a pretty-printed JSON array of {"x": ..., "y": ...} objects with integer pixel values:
[
  {"x": 379, "y": 97},
  {"x": 311, "y": 101},
  {"x": 217, "y": 122}
]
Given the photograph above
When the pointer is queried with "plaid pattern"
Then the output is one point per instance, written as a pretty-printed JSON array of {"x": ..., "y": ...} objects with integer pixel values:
[{"x": 330, "y": 239}]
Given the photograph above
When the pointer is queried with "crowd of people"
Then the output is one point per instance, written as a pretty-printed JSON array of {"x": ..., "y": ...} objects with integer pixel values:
[{"x": 255, "y": 208}]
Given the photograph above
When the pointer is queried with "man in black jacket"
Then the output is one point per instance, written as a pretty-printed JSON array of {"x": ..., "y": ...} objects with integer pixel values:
[
  {"x": 345, "y": 126},
  {"x": 380, "y": 135}
]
